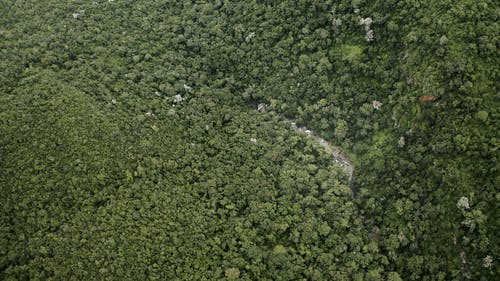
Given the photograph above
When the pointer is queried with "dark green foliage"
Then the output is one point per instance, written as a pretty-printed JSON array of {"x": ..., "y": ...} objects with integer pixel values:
[{"x": 130, "y": 148}]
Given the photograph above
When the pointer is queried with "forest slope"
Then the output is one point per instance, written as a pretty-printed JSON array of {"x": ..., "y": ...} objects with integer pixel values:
[{"x": 130, "y": 149}]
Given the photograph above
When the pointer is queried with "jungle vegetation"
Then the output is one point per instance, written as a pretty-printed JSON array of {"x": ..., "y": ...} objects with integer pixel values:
[{"x": 131, "y": 147}]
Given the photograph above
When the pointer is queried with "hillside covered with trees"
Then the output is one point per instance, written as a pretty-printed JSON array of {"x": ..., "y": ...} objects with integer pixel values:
[{"x": 152, "y": 140}]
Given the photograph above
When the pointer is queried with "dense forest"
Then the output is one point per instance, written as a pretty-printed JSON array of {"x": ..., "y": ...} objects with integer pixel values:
[{"x": 134, "y": 146}]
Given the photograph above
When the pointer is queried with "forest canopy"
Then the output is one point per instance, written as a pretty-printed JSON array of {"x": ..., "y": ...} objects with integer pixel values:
[{"x": 156, "y": 140}]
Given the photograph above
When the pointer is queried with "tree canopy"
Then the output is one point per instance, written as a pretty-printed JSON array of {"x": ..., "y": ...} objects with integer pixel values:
[{"x": 132, "y": 147}]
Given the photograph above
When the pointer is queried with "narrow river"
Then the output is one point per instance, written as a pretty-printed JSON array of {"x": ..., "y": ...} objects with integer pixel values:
[{"x": 337, "y": 155}]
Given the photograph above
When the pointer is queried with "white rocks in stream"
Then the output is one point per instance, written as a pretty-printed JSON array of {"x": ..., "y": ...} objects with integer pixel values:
[{"x": 337, "y": 156}]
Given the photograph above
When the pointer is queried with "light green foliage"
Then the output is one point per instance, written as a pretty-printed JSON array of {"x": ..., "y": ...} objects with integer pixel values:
[{"x": 351, "y": 52}]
